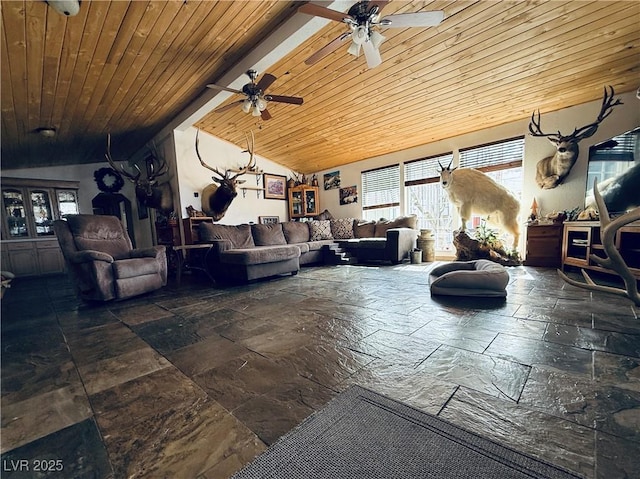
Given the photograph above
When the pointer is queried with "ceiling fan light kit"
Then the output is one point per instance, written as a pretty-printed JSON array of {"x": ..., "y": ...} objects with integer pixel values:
[
  {"x": 363, "y": 19},
  {"x": 256, "y": 99}
]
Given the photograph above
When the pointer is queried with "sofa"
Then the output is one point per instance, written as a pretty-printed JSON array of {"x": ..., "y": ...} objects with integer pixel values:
[{"x": 246, "y": 252}]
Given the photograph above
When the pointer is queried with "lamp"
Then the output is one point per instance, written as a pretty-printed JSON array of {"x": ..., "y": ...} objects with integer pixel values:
[
  {"x": 256, "y": 110},
  {"x": 246, "y": 106},
  {"x": 66, "y": 8}
]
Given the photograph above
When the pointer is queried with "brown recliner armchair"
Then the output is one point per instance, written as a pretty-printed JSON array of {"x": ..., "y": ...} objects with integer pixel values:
[{"x": 102, "y": 262}]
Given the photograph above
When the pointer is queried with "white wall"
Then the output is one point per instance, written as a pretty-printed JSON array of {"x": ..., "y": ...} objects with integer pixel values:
[
  {"x": 193, "y": 177},
  {"x": 565, "y": 197}
]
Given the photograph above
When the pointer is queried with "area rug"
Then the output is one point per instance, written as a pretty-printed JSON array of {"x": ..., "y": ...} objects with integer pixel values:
[{"x": 361, "y": 434}]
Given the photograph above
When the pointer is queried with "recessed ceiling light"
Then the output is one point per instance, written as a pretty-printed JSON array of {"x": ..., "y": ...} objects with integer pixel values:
[{"x": 46, "y": 132}]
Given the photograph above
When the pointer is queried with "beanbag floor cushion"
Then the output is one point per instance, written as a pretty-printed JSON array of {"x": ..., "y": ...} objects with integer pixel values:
[{"x": 469, "y": 278}]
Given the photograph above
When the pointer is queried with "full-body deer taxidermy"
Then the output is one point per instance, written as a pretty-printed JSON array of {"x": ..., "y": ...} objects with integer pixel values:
[
  {"x": 471, "y": 191},
  {"x": 148, "y": 191},
  {"x": 217, "y": 198},
  {"x": 551, "y": 171}
]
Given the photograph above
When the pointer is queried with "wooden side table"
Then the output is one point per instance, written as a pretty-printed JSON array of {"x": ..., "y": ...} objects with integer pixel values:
[
  {"x": 544, "y": 245},
  {"x": 193, "y": 262}
]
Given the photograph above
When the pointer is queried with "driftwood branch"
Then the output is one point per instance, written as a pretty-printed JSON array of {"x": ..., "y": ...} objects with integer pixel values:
[{"x": 614, "y": 260}]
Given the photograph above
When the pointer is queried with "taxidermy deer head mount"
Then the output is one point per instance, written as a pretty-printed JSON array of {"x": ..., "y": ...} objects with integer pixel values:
[
  {"x": 217, "y": 198},
  {"x": 551, "y": 171},
  {"x": 148, "y": 190}
]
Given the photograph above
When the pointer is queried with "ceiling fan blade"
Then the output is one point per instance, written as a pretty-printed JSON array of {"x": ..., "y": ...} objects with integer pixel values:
[
  {"x": 294, "y": 100},
  {"x": 265, "y": 114},
  {"x": 218, "y": 87},
  {"x": 418, "y": 19},
  {"x": 319, "y": 11},
  {"x": 229, "y": 106},
  {"x": 372, "y": 54},
  {"x": 329, "y": 48},
  {"x": 266, "y": 81}
]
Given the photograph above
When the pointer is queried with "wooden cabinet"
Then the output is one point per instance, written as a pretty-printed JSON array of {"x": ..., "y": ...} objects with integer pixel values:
[
  {"x": 581, "y": 239},
  {"x": 29, "y": 207},
  {"x": 303, "y": 201},
  {"x": 31, "y": 258},
  {"x": 544, "y": 245}
]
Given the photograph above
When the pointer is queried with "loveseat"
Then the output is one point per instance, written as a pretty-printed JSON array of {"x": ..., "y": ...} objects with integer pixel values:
[{"x": 247, "y": 252}]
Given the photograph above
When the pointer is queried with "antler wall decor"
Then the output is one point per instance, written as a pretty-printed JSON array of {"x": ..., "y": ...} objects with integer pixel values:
[
  {"x": 614, "y": 260},
  {"x": 149, "y": 191},
  {"x": 217, "y": 198}
]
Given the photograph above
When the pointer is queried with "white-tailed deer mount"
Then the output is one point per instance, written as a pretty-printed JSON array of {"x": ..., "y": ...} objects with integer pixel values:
[
  {"x": 217, "y": 198},
  {"x": 551, "y": 171},
  {"x": 149, "y": 191},
  {"x": 471, "y": 191}
]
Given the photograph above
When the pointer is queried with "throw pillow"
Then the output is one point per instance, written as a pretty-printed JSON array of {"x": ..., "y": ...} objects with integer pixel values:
[
  {"x": 267, "y": 235},
  {"x": 363, "y": 228},
  {"x": 382, "y": 226},
  {"x": 325, "y": 215},
  {"x": 239, "y": 236},
  {"x": 320, "y": 230},
  {"x": 342, "y": 228}
]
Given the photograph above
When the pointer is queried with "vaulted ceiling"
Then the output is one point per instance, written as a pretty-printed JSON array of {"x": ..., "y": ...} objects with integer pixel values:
[{"x": 131, "y": 68}]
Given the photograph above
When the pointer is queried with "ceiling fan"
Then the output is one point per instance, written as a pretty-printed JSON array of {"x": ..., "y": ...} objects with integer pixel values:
[
  {"x": 256, "y": 98},
  {"x": 362, "y": 18}
]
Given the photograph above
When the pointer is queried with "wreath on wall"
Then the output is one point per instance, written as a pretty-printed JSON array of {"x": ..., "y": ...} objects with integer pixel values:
[{"x": 108, "y": 180}]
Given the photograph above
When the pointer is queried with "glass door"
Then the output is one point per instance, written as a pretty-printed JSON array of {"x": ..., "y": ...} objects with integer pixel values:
[
  {"x": 16, "y": 213},
  {"x": 42, "y": 213}
]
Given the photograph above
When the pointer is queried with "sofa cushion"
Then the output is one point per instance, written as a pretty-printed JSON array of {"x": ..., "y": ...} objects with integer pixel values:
[
  {"x": 382, "y": 226},
  {"x": 295, "y": 232},
  {"x": 363, "y": 228},
  {"x": 268, "y": 235},
  {"x": 325, "y": 215},
  {"x": 342, "y": 228},
  {"x": 239, "y": 236},
  {"x": 260, "y": 254},
  {"x": 320, "y": 230},
  {"x": 107, "y": 235}
]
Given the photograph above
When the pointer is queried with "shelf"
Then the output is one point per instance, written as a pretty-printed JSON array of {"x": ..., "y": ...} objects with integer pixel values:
[{"x": 581, "y": 242}]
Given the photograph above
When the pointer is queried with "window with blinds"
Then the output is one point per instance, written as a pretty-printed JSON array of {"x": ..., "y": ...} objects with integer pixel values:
[
  {"x": 425, "y": 170},
  {"x": 426, "y": 199},
  {"x": 500, "y": 155},
  {"x": 381, "y": 192},
  {"x": 501, "y": 161}
]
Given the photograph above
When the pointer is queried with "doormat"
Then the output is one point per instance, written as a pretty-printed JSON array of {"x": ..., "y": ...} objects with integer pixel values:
[{"x": 361, "y": 434}]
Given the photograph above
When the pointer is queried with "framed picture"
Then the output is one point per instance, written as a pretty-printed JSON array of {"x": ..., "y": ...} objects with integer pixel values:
[
  {"x": 268, "y": 220},
  {"x": 332, "y": 180},
  {"x": 349, "y": 195},
  {"x": 275, "y": 186}
]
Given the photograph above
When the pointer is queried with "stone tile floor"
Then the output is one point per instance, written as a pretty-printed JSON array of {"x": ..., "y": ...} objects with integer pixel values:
[{"x": 195, "y": 381}]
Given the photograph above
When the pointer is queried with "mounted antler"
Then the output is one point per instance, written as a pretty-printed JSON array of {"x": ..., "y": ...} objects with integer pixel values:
[
  {"x": 551, "y": 171},
  {"x": 217, "y": 198},
  {"x": 148, "y": 191},
  {"x": 614, "y": 260}
]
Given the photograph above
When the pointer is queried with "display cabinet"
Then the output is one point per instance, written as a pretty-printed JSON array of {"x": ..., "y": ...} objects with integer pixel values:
[
  {"x": 29, "y": 207},
  {"x": 581, "y": 239},
  {"x": 303, "y": 201}
]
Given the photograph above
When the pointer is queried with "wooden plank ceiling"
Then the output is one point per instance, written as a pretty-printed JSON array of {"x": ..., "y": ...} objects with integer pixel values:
[{"x": 130, "y": 67}]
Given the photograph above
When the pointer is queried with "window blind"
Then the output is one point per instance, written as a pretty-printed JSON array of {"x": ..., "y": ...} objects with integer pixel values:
[
  {"x": 425, "y": 170},
  {"x": 494, "y": 156},
  {"x": 381, "y": 187}
]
